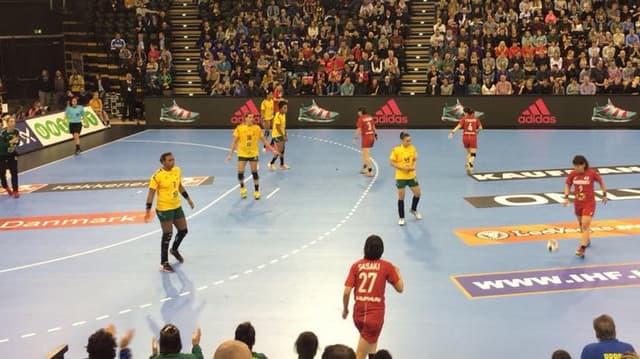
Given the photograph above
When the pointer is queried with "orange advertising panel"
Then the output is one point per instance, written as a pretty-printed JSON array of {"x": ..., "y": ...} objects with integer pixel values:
[
  {"x": 72, "y": 220},
  {"x": 543, "y": 232}
]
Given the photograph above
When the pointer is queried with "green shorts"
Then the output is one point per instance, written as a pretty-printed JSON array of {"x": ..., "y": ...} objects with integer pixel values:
[
  {"x": 402, "y": 183},
  {"x": 248, "y": 159},
  {"x": 278, "y": 139},
  {"x": 170, "y": 215}
]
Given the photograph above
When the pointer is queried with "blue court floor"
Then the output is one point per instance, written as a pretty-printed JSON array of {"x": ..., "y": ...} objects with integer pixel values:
[{"x": 281, "y": 262}]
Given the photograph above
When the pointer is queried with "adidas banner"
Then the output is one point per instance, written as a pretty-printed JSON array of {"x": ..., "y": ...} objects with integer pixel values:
[{"x": 405, "y": 112}]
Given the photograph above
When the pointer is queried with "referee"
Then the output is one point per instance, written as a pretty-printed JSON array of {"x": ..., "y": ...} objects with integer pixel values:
[
  {"x": 74, "y": 114},
  {"x": 9, "y": 140},
  {"x": 167, "y": 182}
]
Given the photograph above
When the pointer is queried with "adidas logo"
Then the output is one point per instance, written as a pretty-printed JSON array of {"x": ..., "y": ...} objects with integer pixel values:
[
  {"x": 390, "y": 113},
  {"x": 537, "y": 113},
  {"x": 248, "y": 107}
]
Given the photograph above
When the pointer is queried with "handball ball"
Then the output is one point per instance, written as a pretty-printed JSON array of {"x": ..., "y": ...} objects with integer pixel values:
[{"x": 552, "y": 245}]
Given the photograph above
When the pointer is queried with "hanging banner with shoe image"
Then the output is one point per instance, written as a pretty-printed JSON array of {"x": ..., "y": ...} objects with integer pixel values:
[{"x": 340, "y": 112}]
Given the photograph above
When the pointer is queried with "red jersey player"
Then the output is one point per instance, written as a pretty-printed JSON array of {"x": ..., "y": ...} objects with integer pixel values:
[
  {"x": 368, "y": 278},
  {"x": 582, "y": 178},
  {"x": 367, "y": 128},
  {"x": 470, "y": 127}
]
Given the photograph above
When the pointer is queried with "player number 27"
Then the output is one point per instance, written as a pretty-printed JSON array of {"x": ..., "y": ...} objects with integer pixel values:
[{"x": 367, "y": 280}]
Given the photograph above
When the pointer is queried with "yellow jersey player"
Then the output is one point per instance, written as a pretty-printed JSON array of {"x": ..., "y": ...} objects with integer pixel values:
[
  {"x": 279, "y": 134},
  {"x": 167, "y": 183},
  {"x": 403, "y": 158},
  {"x": 245, "y": 137},
  {"x": 267, "y": 113}
]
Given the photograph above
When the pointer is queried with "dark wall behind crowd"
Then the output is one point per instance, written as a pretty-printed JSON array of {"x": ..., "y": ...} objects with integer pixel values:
[{"x": 413, "y": 111}]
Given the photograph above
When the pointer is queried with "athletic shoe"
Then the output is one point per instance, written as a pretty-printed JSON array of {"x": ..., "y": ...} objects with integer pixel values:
[
  {"x": 272, "y": 166},
  {"x": 611, "y": 113},
  {"x": 284, "y": 167},
  {"x": 363, "y": 171},
  {"x": 315, "y": 113},
  {"x": 166, "y": 267},
  {"x": 9, "y": 191},
  {"x": 176, "y": 113},
  {"x": 580, "y": 252},
  {"x": 16, "y": 194},
  {"x": 78, "y": 150},
  {"x": 256, "y": 194},
  {"x": 175, "y": 253},
  {"x": 243, "y": 192},
  {"x": 416, "y": 214},
  {"x": 401, "y": 221},
  {"x": 455, "y": 112}
]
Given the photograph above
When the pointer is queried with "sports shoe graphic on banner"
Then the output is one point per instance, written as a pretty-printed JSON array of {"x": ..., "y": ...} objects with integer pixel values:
[
  {"x": 611, "y": 113},
  {"x": 455, "y": 112},
  {"x": 315, "y": 113},
  {"x": 175, "y": 113}
]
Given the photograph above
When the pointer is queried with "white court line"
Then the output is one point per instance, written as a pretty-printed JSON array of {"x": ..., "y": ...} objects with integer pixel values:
[
  {"x": 5, "y": 340},
  {"x": 76, "y": 324},
  {"x": 165, "y": 299},
  {"x": 124, "y": 311},
  {"x": 102, "y": 317},
  {"x": 133, "y": 239},
  {"x": 28, "y": 335},
  {"x": 54, "y": 329},
  {"x": 184, "y": 293},
  {"x": 87, "y": 151},
  {"x": 273, "y": 192}
]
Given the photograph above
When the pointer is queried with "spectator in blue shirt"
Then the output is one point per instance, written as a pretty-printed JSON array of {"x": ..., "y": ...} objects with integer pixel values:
[{"x": 607, "y": 346}]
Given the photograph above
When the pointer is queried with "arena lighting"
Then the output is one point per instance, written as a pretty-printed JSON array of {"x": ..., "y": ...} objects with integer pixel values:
[
  {"x": 185, "y": 37},
  {"x": 190, "y": 82},
  {"x": 414, "y": 81},
  {"x": 185, "y": 25},
  {"x": 417, "y": 57},
  {"x": 419, "y": 45}
]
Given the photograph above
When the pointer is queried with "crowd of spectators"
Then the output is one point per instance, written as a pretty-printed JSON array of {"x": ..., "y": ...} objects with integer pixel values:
[
  {"x": 505, "y": 47},
  {"x": 309, "y": 47},
  {"x": 103, "y": 344},
  {"x": 147, "y": 53}
]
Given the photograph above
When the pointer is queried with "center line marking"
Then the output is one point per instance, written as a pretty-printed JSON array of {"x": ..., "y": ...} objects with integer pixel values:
[
  {"x": 273, "y": 192},
  {"x": 76, "y": 324},
  {"x": 203, "y": 287},
  {"x": 147, "y": 305},
  {"x": 54, "y": 329},
  {"x": 28, "y": 335},
  {"x": 184, "y": 293},
  {"x": 124, "y": 311},
  {"x": 165, "y": 299},
  {"x": 103, "y": 317}
]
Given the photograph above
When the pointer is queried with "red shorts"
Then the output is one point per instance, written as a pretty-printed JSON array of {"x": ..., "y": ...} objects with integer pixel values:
[
  {"x": 368, "y": 140},
  {"x": 585, "y": 208},
  {"x": 369, "y": 322},
  {"x": 470, "y": 141}
]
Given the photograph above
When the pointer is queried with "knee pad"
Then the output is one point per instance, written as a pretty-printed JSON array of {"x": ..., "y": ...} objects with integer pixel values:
[
  {"x": 255, "y": 176},
  {"x": 182, "y": 232},
  {"x": 166, "y": 237},
  {"x": 241, "y": 176}
]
